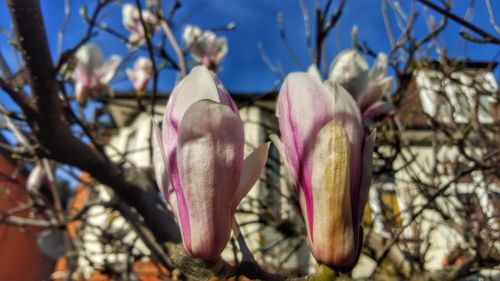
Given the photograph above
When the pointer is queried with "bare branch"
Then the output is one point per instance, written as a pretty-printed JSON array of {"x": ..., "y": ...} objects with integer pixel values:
[
  {"x": 387, "y": 24},
  {"x": 53, "y": 131},
  {"x": 19, "y": 98},
  {"x": 307, "y": 27},
  {"x": 176, "y": 47},
  {"x": 488, "y": 38},
  {"x": 492, "y": 17}
]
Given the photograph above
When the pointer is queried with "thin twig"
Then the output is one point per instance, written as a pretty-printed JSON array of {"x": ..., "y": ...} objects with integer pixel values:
[
  {"x": 492, "y": 17},
  {"x": 404, "y": 36},
  {"x": 275, "y": 69},
  {"x": 307, "y": 27},
  {"x": 387, "y": 24},
  {"x": 487, "y": 37},
  {"x": 283, "y": 37},
  {"x": 60, "y": 35},
  {"x": 175, "y": 46}
]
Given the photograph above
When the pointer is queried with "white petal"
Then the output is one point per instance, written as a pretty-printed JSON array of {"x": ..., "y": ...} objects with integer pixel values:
[
  {"x": 281, "y": 150},
  {"x": 108, "y": 69},
  {"x": 160, "y": 162},
  {"x": 350, "y": 70},
  {"x": 379, "y": 67},
  {"x": 90, "y": 56},
  {"x": 313, "y": 70},
  {"x": 253, "y": 166}
]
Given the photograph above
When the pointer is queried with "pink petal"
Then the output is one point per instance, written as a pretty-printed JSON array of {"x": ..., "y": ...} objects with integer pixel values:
[
  {"x": 224, "y": 96},
  {"x": 209, "y": 161},
  {"x": 85, "y": 78},
  {"x": 108, "y": 69},
  {"x": 197, "y": 85},
  {"x": 304, "y": 106},
  {"x": 374, "y": 92},
  {"x": 293, "y": 177},
  {"x": 300, "y": 93},
  {"x": 252, "y": 168},
  {"x": 378, "y": 109}
]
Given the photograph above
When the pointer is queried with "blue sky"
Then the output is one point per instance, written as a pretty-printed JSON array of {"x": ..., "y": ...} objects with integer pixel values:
[{"x": 243, "y": 68}]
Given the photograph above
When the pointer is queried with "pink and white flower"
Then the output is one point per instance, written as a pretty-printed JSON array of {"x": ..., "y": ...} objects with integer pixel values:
[
  {"x": 205, "y": 47},
  {"x": 368, "y": 87},
  {"x": 131, "y": 18},
  {"x": 199, "y": 161},
  {"x": 141, "y": 73},
  {"x": 328, "y": 158},
  {"x": 92, "y": 73}
]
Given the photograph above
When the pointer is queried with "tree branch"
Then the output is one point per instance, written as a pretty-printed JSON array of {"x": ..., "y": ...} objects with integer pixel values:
[
  {"x": 488, "y": 38},
  {"x": 54, "y": 132},
  {"x": 19, "y": 98}
]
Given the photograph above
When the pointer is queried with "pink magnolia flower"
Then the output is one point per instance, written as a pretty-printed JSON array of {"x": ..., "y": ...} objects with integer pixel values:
[
  {"x": 368, "y": 87},
  {"x": 328, "y": 158},
  {"x": 92, "y": 74},
  {"x": 199, "y": 162},
  {"x": 132, "y": 21},
  {"x": 140, "y": 75},
  {"x": 205, "y": 47}
]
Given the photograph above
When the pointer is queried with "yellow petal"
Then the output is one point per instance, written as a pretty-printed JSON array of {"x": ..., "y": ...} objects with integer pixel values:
[{"x": 333, "y": 239}]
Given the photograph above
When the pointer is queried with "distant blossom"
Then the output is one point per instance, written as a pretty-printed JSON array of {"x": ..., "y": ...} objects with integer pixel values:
[
  {"x": 141, "y": 73},
  {"x": 92, "y": 73},
  {"x": 367, "y": 87},
  {"x": 131, "y": 19},
  {"x": 205, "y": 47}
]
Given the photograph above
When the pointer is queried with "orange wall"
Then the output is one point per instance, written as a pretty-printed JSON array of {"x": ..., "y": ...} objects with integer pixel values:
[{"x": 20, "y": 258}]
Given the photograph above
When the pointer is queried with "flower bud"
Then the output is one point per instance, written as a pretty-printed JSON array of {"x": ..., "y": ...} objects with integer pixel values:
[
  {"x": 199, "y": 161},
  {"x": 328, "y": 157}
]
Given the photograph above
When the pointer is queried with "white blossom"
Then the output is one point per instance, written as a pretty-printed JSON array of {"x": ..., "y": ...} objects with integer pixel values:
[
  {"x": 205, "y": 46},
  {"x": 132, "y": 21},
  {"x": 141, "y": 73},
  {"x": 92, "y": 73}
]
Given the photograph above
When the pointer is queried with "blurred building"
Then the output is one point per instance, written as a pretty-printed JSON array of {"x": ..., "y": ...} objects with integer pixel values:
[
  {"x": 457, "y": 100},
  {"x": 464, "y": 98}
]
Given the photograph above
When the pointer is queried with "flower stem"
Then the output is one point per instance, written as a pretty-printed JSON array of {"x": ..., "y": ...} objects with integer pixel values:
[{"x": 246, "y": 254}]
